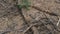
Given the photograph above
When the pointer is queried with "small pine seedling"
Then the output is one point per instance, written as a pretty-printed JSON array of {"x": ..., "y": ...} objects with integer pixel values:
[{"x": 24, "y": 4}]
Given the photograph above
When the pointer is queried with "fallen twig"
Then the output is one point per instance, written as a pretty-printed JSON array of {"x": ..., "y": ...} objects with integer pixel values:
[
  {"x": 29, "y": 27},
  {"x": 58, "y": 21},
  {"x": 44, "y": 11}
]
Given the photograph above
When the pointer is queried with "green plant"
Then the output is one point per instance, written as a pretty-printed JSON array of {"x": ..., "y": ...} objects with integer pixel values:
[{"x": 24, "y": 4}]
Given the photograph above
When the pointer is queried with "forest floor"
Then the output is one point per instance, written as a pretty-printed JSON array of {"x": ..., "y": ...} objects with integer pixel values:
[{"x": 43, "y": 17}]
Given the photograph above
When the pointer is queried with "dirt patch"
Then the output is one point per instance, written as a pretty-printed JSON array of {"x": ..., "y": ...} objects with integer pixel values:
[{"x": 42, "y": 18}]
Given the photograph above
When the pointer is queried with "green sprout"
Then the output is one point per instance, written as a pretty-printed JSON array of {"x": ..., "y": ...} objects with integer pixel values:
[{"x": 24, "y": 4}]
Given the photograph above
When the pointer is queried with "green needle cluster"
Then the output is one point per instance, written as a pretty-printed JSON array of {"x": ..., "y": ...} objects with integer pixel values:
[{"x": 24, "y": 4}]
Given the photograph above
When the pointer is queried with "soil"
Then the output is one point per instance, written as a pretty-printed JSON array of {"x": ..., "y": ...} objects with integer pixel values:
[{"x": 41, "y": 18}]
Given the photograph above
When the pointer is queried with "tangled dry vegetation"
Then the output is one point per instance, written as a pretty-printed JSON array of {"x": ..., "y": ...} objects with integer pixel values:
[{"x": 43, "y": 17}]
